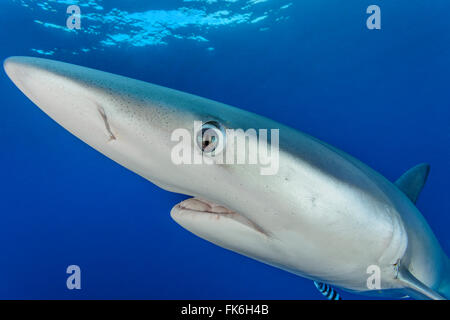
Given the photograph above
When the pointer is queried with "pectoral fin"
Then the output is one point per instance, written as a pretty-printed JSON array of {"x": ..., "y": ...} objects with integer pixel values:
[{"x": 417, "y": 289}]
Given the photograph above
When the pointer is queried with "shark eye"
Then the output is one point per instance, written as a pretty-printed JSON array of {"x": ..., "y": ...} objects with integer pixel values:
[{"x": 211, "y": 137}]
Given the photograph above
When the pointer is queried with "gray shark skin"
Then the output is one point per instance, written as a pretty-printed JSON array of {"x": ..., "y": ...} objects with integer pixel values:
[{"x": 324, "y": 215}]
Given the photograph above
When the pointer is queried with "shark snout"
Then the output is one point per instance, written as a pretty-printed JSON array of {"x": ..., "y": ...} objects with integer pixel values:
[
  {"x": 118, "y": 116},
  {"x": 69, "y": 95},
  {"x": 17, "y": 70},
  {"x": 10, "y": 67}
]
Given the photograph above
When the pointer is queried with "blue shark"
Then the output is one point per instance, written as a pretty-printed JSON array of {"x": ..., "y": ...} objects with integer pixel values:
[{"x": 324, "y": 215}]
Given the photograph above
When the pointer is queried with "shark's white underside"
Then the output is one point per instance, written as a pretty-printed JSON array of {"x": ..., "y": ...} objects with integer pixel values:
[{"x": 324, "y": 215}]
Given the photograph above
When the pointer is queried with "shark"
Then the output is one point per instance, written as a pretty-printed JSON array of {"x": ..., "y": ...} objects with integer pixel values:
[{"x": 324, "y": 215}]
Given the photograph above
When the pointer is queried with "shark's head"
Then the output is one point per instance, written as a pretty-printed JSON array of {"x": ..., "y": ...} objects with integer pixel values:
[
  {"x": 269, "y": 211},
  {"x": 143, "y": 126}
]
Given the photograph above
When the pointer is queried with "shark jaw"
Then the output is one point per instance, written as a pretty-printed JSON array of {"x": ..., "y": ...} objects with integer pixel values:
[
  {"x": 198, "y": 209},
  {"x": 225, "y": 228}
]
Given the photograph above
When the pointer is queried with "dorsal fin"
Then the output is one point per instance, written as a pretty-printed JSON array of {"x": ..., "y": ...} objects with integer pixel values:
[{"x": 413, "y": 180}]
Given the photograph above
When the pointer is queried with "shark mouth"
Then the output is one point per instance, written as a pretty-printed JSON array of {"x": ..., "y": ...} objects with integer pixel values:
[{"x": 196, "y": 206}]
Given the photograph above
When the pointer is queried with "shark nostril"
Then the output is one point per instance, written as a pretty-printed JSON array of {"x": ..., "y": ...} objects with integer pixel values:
[{"x": 105, "y": 120}]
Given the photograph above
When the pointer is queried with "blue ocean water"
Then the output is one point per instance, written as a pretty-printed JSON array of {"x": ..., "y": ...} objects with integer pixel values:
[{"x": 380, "y": 95}]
